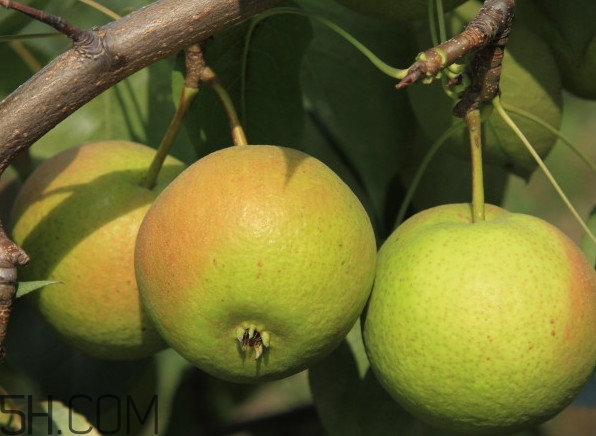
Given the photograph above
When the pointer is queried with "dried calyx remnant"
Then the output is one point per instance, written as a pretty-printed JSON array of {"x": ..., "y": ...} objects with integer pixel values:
[
  {"x": 487, "y": 34},
  {"x": 252, "y": 339}
]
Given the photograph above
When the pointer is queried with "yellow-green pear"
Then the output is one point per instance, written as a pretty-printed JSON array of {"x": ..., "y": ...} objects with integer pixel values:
[
  {"x": 77, "y": 217},
  {"x": 483, "y": 327},
  {"x": 255, "y": 262}
]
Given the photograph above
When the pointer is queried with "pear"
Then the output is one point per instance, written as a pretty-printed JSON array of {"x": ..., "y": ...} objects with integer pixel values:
[
  {"x": 481, "y": 327},
  {"x": 77, "y": 217},
  {"x": 255, "y": 262}
]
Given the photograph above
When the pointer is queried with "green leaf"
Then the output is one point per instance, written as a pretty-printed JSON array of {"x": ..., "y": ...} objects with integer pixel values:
[
  {"x": 568, "y": 29},
  {"x": 23, "y": 288},
  {"x": 350, "y": 400},
  {"x": 18, "y": 67},
  {"x": 263, "y": 83},
  {"x": 356, "y": 106},
  {"x": 34, "y": 347}
]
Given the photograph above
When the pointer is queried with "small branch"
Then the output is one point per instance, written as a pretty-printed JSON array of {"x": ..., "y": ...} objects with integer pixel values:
[
  {"x": 491, "y": 24},
  {"x": 485, "y": 74},
  {"x": 58, "y": 23}
]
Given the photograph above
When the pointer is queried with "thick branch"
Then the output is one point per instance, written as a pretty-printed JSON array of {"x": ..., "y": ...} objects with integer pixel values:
[{"x": 118, "y": 49}]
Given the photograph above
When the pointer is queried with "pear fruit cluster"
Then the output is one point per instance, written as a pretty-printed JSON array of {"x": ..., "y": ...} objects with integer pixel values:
[
  {"x": 481, "y": 327},
  {"x": 255, "y": 262}
]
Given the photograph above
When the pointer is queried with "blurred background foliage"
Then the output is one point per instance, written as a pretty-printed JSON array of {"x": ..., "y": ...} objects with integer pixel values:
[{"x": 299, "y": 84}]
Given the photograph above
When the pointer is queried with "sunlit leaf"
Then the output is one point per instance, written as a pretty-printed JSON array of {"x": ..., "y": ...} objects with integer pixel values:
[{"x": 23, "y": 288}]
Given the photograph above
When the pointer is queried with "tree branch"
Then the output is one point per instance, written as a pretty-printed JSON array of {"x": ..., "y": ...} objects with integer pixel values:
[
  {"x": 115, "y": 51},
  {"x": 490, "y": 26}
]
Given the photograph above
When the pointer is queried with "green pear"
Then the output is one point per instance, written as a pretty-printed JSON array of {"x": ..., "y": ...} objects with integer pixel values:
[
  {"x": 483, "y": 327},
  {"x": 255, "y": 262},
  {"x": 77, "y": 216},
  {"x": 397, "y": 10}
]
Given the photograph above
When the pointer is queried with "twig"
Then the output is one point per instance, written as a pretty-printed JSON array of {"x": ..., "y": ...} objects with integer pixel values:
[
  {"x": 489, "y": 26},
  {"x": 58, "y": 23}
]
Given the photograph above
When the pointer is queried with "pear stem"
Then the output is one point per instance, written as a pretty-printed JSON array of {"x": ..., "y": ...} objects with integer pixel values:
[
  {"x": 474, "y": 124},
  {"x": 210, "y": 77},
  {"x": 194, "y": 67}
]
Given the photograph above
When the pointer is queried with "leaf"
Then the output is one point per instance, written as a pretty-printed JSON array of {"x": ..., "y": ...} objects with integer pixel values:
[
  {"x": 264, "y": 84},
  {"x": 348, "y": 397},
  {"x": 23, "y": 414},
  {"x": 23, "y": 288},
  {"x": 356, "y": 106},
  {"x": 14, "y": 70},
  {"x": 568, "y": 29},
  {"x": 573, "y": 19}
]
